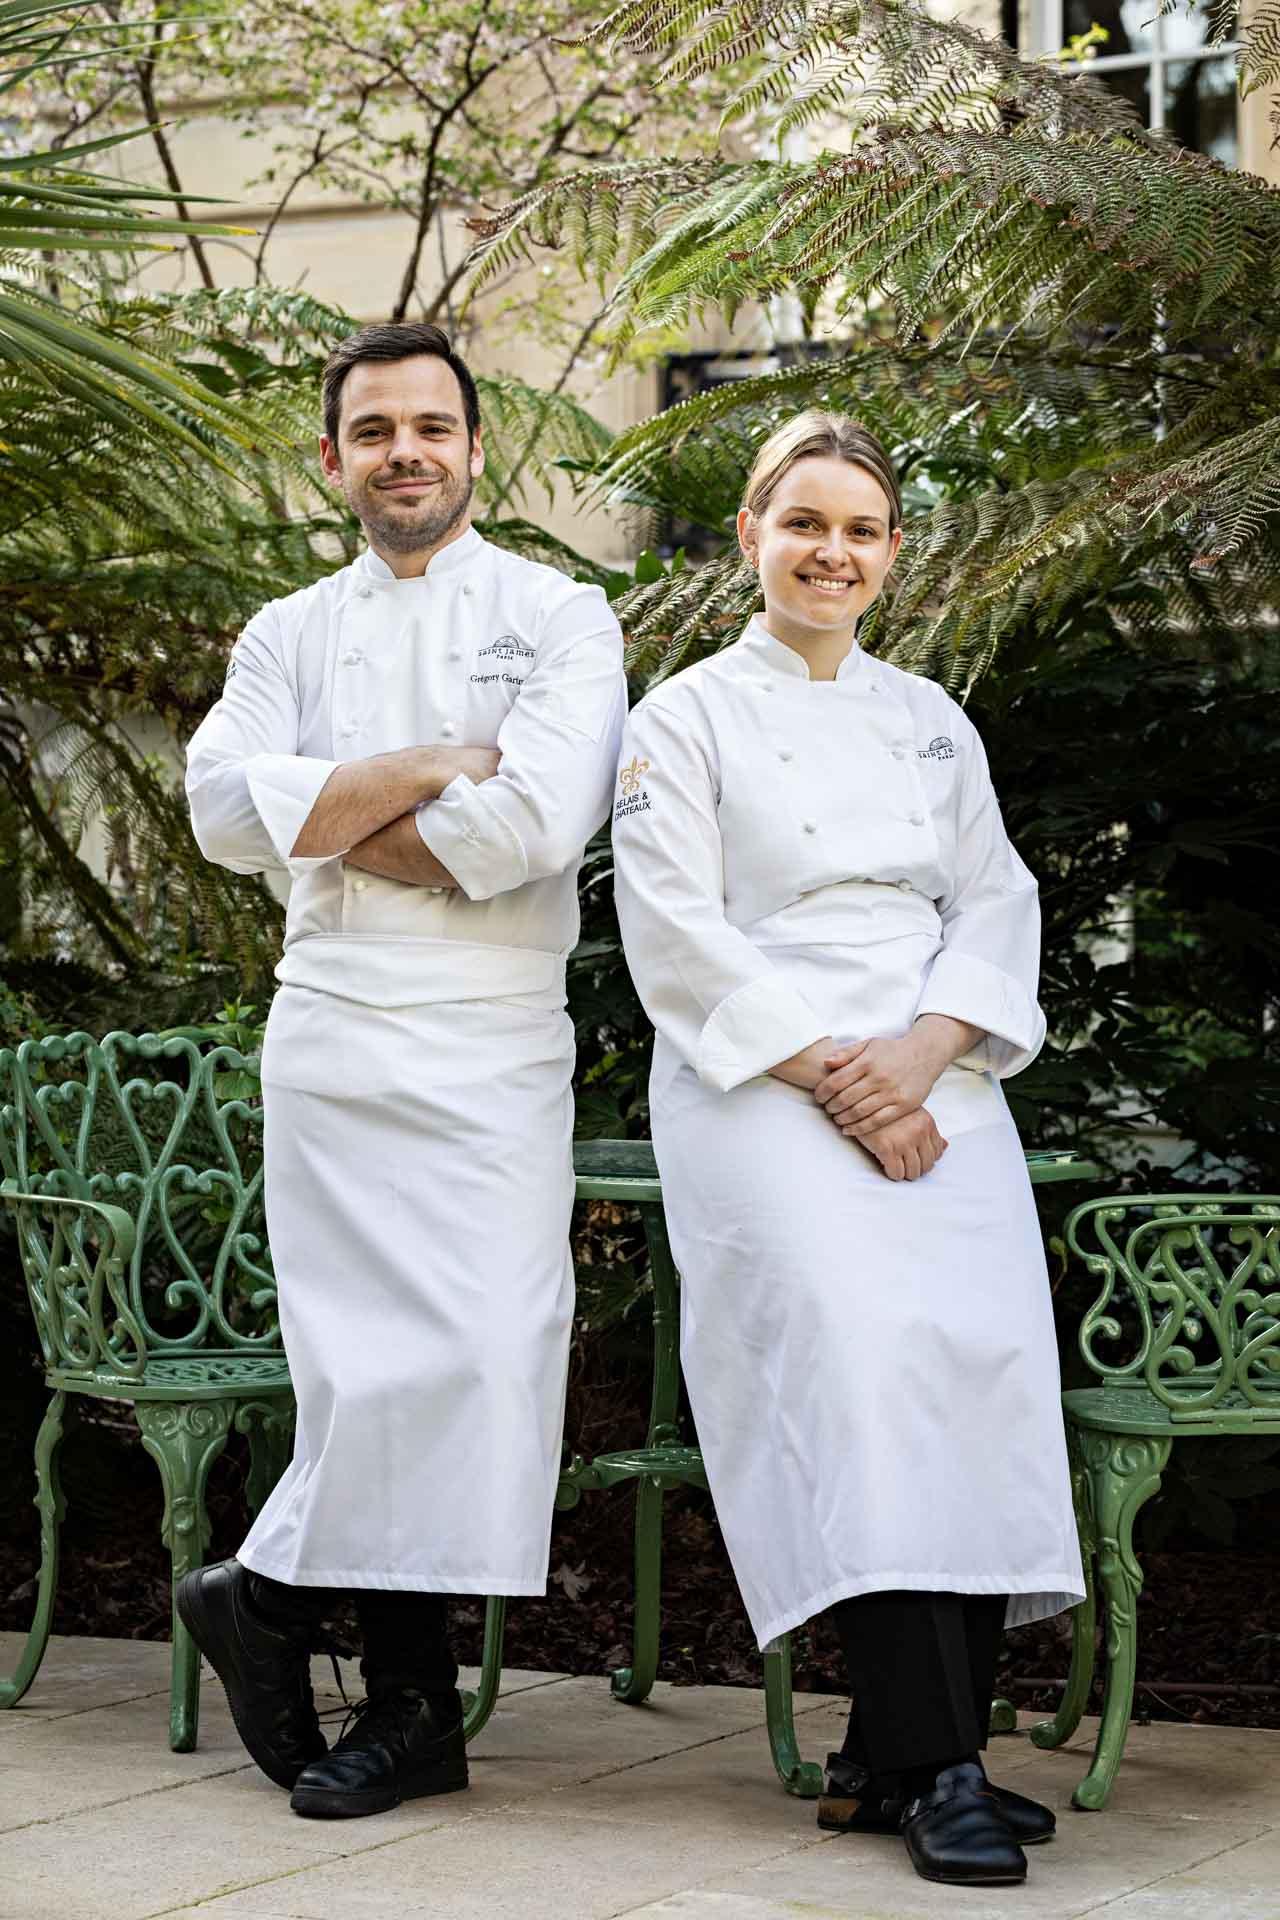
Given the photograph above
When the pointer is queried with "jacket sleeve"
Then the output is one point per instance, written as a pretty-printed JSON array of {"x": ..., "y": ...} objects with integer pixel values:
[
  {"x": 706, "y": 989},
  {"x": 558, "y": 745},
  {"x": 248, "y": 787},
  {"x": 988, "y": 969}
]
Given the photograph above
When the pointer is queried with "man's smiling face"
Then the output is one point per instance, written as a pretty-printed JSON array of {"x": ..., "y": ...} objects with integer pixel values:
[{"x": 404, "y": 461}]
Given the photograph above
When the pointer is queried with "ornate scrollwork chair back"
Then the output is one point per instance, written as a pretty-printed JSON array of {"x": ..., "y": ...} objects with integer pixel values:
[
  {"x": 136, "y": 1126},
  {"x": 1189, "y": 1305}
]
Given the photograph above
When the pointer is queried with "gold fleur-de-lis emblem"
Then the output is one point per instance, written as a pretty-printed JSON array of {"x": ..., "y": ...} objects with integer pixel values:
[{"x": 629, "y": 778}]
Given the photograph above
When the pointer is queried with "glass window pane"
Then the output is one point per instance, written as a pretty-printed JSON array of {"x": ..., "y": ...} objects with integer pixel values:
[
  {"x": 1200, "y": 106},
  {"x": 1122, "y": 19}
]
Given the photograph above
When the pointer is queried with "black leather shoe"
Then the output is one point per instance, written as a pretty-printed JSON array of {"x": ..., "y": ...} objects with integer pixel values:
[
  {"x": 855, "y": 1800},
  {"x": 266, "y": 1669},
  {"x": 955, "y": 1832},
  {"x": 400, "y": 1747}
]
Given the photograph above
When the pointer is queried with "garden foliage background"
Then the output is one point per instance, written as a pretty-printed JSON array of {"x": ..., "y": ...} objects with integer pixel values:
[{"x": 1062, "y": 325}]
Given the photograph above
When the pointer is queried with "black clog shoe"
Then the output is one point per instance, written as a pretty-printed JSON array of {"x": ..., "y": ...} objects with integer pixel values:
[{"x": 956, "y": 1834}]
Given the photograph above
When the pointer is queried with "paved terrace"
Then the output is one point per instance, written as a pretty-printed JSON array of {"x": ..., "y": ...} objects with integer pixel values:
[{"x": 579, "y": 1809}]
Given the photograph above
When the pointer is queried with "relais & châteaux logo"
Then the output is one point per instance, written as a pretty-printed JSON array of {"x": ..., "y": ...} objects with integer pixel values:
[{"x": 634, "y": 797}]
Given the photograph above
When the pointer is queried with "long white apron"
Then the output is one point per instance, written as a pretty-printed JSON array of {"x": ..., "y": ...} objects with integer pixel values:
[
  {"x": 871, "y": 1365},
  {"x": 418, "y": 1192}
]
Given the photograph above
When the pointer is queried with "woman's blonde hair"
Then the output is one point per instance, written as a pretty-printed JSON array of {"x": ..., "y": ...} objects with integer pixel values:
[{"x": 815, "y": 431}]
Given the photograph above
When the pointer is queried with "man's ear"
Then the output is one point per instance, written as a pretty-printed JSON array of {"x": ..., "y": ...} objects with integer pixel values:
[
  {"x": 329, "y": 461},
  {"x": 477, "y": 455}
]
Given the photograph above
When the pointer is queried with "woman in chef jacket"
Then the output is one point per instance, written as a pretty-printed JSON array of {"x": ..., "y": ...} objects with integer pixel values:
[{"x": 839, "y": 950}]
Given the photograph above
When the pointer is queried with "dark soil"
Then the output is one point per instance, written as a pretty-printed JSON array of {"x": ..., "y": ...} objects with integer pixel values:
[{"x": 1210, "y": 1636}]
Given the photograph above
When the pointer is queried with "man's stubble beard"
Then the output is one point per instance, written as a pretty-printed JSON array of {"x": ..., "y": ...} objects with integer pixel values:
[{"x": 400, "y": 532}]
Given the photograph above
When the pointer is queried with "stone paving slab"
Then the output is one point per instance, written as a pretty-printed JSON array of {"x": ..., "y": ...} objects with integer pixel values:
[{"x": 580, "y": 1809}]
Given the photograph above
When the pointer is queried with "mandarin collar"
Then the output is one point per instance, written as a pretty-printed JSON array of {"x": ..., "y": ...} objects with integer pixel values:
[
  {"x": 451, "y": 559},
  {"x": 766, "y": 650}
]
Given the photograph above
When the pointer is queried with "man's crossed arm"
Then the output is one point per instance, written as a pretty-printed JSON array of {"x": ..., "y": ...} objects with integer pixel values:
[{"x": 367, "y": 807}]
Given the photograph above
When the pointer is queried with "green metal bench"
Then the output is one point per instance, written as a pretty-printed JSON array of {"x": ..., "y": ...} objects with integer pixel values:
[
  {"x": 1189, "y": 1308},
  {"x": 625, "y": 1171}
]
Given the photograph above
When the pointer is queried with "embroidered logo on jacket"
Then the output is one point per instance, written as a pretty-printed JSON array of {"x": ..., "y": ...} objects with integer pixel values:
[
  {"x": 635, "y": 796},
  {"x": 507, "y": 658},
  {"x": 939, "y": 749}
]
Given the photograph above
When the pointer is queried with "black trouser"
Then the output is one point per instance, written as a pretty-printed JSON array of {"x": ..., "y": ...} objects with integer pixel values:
[
  {"x": 922, "y": 1669},
  {"x": 404, "y": 1634}
]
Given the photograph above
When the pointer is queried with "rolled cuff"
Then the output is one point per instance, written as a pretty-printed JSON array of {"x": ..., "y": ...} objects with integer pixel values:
[
  {"x": 750, "y": 1031},
  {"x": 284, "y": 787},
  {"x": 472, "y": 840},
  {"x": 972, "y": 990}
]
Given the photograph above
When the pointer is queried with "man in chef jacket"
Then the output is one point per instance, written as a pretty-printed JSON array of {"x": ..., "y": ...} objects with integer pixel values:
[{"x": 424, "y": 741}]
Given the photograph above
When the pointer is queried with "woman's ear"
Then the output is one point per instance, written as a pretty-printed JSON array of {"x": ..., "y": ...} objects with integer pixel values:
[{"x": 748, "y": 537}]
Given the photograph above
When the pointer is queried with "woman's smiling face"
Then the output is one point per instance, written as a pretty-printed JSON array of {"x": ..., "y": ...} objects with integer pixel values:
[{"x": 823, "y": 546}]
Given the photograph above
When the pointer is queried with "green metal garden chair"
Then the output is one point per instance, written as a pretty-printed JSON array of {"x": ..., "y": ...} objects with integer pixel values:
[
  {"x": 1189, "y": 1315},
  {"x": 133, "y": 1170}
]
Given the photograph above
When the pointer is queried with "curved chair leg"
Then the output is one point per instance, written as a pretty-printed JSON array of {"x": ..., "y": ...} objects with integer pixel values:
[
  {"x": 1124, "y": 1472},
  {"x": 269, "y": 1425},
  {"x": 1084, "y": 1619},
  {"x": 184, "y": 1438},
  {"x": 801, "y": 1777},
  {"x": 635, "y": 1683},
  {"x": 51, "y": 1507},
  {"x": 477, "y": 1706}
]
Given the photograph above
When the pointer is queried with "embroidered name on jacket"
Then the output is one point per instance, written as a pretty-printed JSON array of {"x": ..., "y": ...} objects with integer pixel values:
[
  {"x": 635, "y": 795},
  {"x": 939, "y": 749},
  {"x": 507, "y": 659}
]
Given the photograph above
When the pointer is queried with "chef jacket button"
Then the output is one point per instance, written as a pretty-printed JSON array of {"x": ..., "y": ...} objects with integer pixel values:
[
  {"x": 347, "y": 731},
  {"x": 448, "y": 729},
  {"x": 763, "y": 686},
  {"x": 917, "y": 819},
  {"x": 365, "y": 593},
  {"x": 359, "y": 885},
  {"x": 898, "y": 754},
  {"x": 467, "y": 587},
  {"x": 874, "y": 687},
  {"x": 811, "y": 826},
  {"x": 903, "y": 886},
  {"x": 455, "y": 653},
  {"x": 353, "y": 658},
  {"x": 786, "y": 753}
]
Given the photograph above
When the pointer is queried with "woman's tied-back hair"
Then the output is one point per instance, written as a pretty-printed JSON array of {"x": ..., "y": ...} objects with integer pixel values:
[{"x": 815, "y": 431}]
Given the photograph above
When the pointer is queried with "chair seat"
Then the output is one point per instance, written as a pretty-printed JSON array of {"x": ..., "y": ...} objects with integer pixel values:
[
  {"x": 1117, "y": 1408},
  {"x": 182, "y": 1376}
]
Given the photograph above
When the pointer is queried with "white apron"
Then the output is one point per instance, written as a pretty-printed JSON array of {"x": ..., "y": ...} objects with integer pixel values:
[
  {"x": 416, "y": 1072},
  {"x": 419, "y": 1185},
  {"x": 871, "y": 1365}
]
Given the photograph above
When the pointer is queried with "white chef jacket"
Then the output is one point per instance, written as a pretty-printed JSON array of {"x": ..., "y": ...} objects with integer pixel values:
[
  {"x": 773, "y": 834},
  {"x": 485, "y": 649}
]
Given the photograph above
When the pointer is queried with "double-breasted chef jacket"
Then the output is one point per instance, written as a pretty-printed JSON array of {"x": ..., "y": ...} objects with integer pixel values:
[
  {"x": 871, "y": 1365},
  {"x": 417, "y": 1063}
]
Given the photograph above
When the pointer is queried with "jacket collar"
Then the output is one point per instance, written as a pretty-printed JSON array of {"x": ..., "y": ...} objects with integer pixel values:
[
  {"x": 455, "y": 558},
  {"x": 764, "y": 649}
]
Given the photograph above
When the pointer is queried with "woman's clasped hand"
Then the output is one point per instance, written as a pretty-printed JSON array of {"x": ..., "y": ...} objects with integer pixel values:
[{"x": 874, "y": 1091}]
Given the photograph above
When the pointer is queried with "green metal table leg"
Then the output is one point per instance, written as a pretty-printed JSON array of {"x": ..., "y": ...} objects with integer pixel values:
[
  {"x": 184, "y": 1438},
  {"x": 51, "y": 1507},
  {"x": 477, "y": 1706},
  {"x": 635, "y": 1683},
  {"x": 1084, "y": 1619},
  {"x": 1124, "y": 1471},
  {"x": 801, "y": 1777}
]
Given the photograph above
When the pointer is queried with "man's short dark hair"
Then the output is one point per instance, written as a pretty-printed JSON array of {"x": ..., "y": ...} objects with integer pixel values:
[{"x": 388, "y": 341}]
